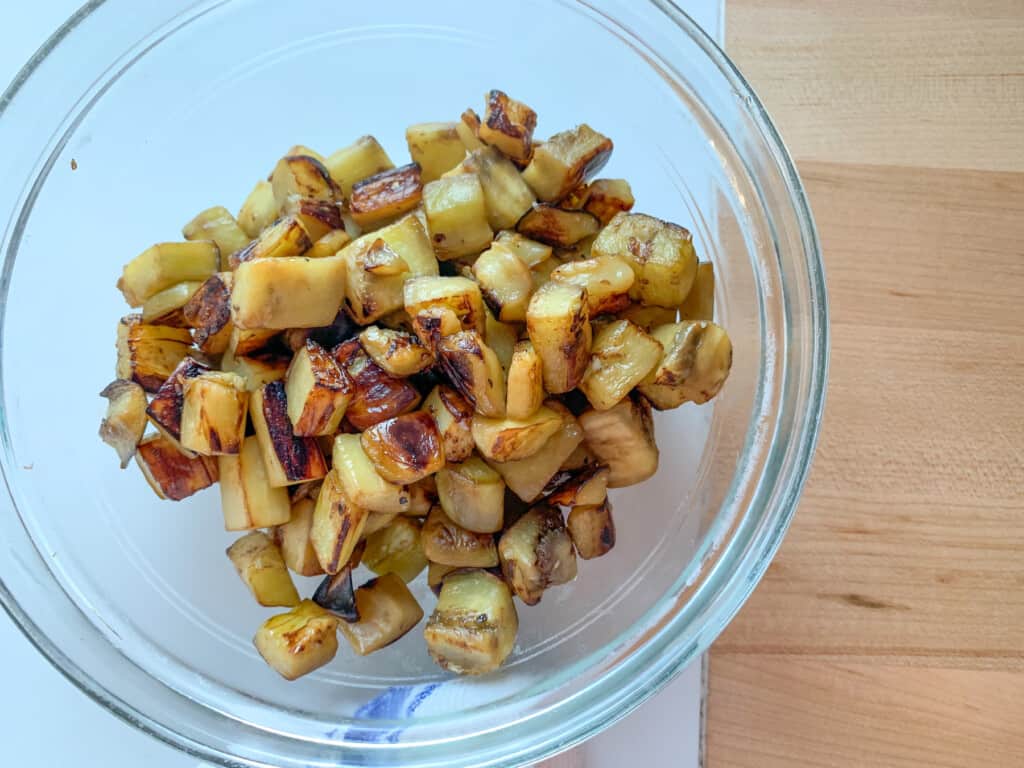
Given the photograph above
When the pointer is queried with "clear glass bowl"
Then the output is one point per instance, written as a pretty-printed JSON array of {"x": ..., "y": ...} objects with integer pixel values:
[{"x": 135, "y": 116}]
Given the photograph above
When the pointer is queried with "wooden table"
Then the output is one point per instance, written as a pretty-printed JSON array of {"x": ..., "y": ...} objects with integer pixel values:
[{"x": 890, "y": 629}]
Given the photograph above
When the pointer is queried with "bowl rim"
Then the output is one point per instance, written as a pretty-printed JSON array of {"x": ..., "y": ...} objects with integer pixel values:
[{"x": 669, "y": 657}]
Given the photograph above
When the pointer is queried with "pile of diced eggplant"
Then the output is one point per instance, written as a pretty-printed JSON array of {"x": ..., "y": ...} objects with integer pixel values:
[{"x": 415, "y": 369}]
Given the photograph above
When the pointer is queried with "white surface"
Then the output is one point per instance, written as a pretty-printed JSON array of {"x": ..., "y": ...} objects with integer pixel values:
[{"x": 48, "y": 716}]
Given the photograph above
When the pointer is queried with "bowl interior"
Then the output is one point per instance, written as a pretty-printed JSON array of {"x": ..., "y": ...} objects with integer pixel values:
[{"x": 192, "y": 117}]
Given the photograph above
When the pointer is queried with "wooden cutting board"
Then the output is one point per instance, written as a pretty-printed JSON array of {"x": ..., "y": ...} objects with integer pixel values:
[{"x": 889, "y": 632}]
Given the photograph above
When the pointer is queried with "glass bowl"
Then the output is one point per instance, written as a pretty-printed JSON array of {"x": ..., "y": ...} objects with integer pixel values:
[{"x": 134, "y": 117}]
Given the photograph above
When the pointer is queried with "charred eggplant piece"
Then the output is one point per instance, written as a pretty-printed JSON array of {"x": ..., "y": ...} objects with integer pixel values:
[
  {"x": 536, "y": 553},
  {"x": 289, "y": 459},
  {"x": 170, "y": 473},
  {"x": 406, "y": 448}
]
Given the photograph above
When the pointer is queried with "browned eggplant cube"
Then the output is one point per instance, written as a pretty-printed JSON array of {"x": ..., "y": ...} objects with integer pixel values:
[
  {"x": 169, "y": 472},
  {"x": 209, "y": 313},
  {"x": 473, "y": 628},
  {"x": 165, "y": 409},
  {"x": 622, "y": 438},
  {"x": 376, "y": 394},
  {"x": 592, "y": 529},
  {"x": 247, "y": 498},
  {"x": 454, "y": 415},
  {"x": 445, "y": 541},
  {"x": 474, "y": 370},
  {"x": 386, "y": 196},
  {"x": 296, "y": 540},
  {"x": 289, "y": 459},
  {"x": 406, "y": 448},
  {"x": 508, "y": 125},
  {"x": 299, "y": 641},
  {"x": 338, "y": 524},
  {"x": 565, "y": 161},
  {"x": 148, "y": 354},
  {"x": 387, "y": 611},
  {"x": 536, "y": 553},
  {"x": 317, "y": 391},
  {"x": 214, "y": 410}
]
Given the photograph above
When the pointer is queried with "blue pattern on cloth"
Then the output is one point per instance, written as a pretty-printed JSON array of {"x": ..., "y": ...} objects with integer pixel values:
[{"x": 396, "y": 703}]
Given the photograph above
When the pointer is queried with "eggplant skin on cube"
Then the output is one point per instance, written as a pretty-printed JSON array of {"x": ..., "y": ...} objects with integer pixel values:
[
  {"x": 453, "y": 415},
  {"x": 565, "y": 161},
  {"x": 536, "y": 553},
  {"x": 592, "y": 529},
  {"x": 473, "y": 628},
  {"x": 376, "y": 394},
  {"x": 475, "y": 371},
  {"x": 447, "y": 542},
  {"x": 337, "y": 595},
  {"x": 289, "y": 459},
  {"x": 660, "y": 253},
  {"x": 695, "y": 364},
  {"x": 508, "y": 126},
  {"x": 558, "y": 322},
  {"x": 405, "y": 449},
  {"x": 622, "y": 438}
]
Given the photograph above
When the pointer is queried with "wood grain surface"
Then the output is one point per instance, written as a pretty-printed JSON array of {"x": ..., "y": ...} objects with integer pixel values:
[{"x": 890, "y": 629}]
